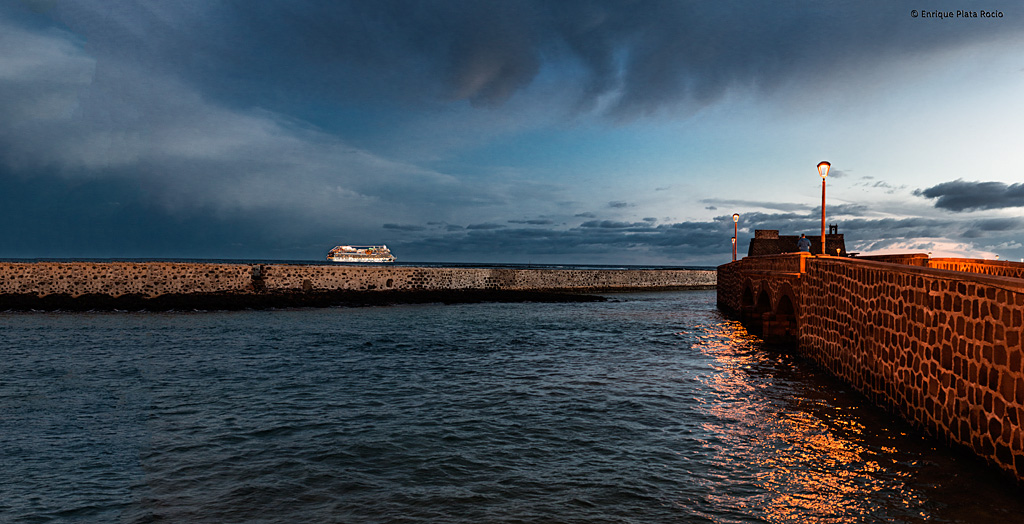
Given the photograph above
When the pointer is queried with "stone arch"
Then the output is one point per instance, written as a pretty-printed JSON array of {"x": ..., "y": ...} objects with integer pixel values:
[
  {"x": 783, "y": 326},
  {"x": 786, "y": 291},
  {"x": 747, "y": 297},
  {"x": 762, "y": 310},
  {"x": 764, "y": 303},
  {"x": 785, "y": 306}
]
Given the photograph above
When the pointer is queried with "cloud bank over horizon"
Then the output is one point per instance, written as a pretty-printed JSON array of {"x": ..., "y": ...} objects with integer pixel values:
[
  {"x": 452, "y": 130},
  {"x": 960, "y": 195}
]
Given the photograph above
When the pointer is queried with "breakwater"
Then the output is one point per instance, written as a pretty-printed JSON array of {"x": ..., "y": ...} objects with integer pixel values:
[
  {"x": 163, "y": 285},
  {"x": 939, "y": 341}
]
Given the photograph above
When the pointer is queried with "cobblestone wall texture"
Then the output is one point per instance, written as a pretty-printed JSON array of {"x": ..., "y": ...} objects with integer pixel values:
[
  {"x": 329, "y": 278},
  {"x": 943, "y": 348},
  {"x": 122, "y": 278},
  {"x": 729, "y": 287},
  {"x": 153, "y": 279}
]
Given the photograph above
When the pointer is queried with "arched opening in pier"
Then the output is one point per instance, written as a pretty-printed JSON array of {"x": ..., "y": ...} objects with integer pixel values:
[
  {"x": 783, "y": 328},
  {"x": 785, "y": 307},
  {"x": 762, "y": 311},
  {"x": 764, "y": 304},
  {"x": 780, "y": 327},
  {"x": 747, "y": 302},
  {"x": 747, "y": 298}
]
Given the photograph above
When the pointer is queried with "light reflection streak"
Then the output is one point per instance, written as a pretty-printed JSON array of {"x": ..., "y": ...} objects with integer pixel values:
[{"x": 807, "y": 457}]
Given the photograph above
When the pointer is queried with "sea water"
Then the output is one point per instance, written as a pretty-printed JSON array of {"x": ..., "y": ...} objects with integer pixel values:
[{"x": 650, "y": 407}]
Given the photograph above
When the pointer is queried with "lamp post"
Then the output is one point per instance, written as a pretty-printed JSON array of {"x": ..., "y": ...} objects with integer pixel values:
[
  {"x": 735, "y": 232},
  {"x": 823, "y": 171}
]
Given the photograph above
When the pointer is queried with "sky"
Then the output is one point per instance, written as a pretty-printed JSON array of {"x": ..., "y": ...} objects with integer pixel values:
[{"x": 520, "y": 131}]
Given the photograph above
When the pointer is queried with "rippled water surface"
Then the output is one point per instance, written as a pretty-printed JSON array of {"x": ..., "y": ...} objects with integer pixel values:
[{"x": 647, "y": 408}]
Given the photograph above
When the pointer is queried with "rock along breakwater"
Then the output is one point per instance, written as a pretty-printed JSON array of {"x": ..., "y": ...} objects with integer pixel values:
[{"x": 174, "y": 285}]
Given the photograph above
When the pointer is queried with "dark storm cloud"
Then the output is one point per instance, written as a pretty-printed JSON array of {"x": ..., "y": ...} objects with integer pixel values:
[
  {"x": 194, "y": 125},
  {"x": 649, "y": 54},
  {"x": 859, "y": 231},
  {"x": 960, "y": 195},
  {"x": 856, "y": 226},
  {"x": 999, "y": 224},
  {"x": 984, "y": 227},
  {"x": 700, "y": 242},
  {"x": 533, "y": 221},
  {"x": 404, "y": 227},
  {"x": 695, "y": 241},
  {"x": 610, "y": 224}
]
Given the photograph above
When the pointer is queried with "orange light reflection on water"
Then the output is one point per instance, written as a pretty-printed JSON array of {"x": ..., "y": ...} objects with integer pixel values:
[{"x": 807, "y": 456}]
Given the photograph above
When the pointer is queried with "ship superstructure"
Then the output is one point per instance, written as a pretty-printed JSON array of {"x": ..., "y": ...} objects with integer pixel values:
[{"x": 360, "y": 254}]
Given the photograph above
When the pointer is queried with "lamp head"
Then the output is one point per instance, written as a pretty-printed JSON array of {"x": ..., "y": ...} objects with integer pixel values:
[
  {"x": 735, "y": 217},
  {"x": 823, "y": 169}
]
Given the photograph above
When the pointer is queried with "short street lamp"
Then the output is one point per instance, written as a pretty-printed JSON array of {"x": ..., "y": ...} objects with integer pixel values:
[
  {"x": 735, "y": 232},
  {"x": 823, "y": 171}
]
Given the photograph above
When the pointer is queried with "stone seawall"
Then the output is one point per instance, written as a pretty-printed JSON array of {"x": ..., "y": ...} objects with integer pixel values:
[
  {"x": 50, "y": 285},
  {"x": 122, "y": 278},
  {"x": 943, "y": 347},
  {"x": 945, "y": 351},
  {"x": 331, "y": 278}
]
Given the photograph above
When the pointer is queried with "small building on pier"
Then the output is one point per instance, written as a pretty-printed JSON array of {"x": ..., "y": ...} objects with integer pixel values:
[{"x": 769, "y": 242}]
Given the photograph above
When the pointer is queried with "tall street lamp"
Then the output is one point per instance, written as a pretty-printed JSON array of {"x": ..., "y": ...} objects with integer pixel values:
[
  {"x": 823, "y": 171},
  {"x": 735, "y": 232}
]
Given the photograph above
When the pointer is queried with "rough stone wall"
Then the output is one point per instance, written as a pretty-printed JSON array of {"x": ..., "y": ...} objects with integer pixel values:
[
  {"x": 729, "y": 288},
  {"x": 944, "y": 350},
  {"x": 330, "y": 278},
  {"x": 122, "y": 278},
  {"x": 151, "y": 279}
]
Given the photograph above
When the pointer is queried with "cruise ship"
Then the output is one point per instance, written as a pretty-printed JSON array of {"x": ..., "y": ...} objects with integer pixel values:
[{"x": 360, "y": 254}]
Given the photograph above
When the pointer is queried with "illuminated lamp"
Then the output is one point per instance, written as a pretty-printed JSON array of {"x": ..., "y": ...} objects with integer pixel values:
[
  {"x": 735, "y": 232},
  {"x": 823, "y": 168}
]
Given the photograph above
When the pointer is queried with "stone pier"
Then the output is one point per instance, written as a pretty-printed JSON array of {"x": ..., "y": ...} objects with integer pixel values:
[{"x": 938, "y": 341}]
